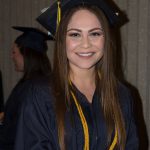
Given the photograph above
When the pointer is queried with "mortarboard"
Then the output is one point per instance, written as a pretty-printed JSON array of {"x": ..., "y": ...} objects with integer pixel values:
[
  {"x": 48, "y": 18},
  {"x": 32, "y": 38}
]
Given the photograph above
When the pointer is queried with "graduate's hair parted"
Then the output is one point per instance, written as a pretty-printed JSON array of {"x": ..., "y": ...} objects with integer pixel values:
[{"x": 106, "y": 85}]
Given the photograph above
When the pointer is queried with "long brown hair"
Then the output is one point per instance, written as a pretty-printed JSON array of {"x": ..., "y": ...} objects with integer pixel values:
[
  {"x": 106, "y": 83},
  {"x": 35, "y": 63}
]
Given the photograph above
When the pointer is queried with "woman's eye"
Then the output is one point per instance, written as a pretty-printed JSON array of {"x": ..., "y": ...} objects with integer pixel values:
[
  {"x": 96, "y": 33},
  {"x": 74, "y": 34}
]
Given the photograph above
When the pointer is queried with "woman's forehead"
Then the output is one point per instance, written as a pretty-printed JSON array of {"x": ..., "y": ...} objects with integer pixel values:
[{"x": 84, "y": 19}]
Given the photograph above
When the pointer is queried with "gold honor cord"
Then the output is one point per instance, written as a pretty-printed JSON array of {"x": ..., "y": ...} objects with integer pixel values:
[
  {"x": 112, "y": 146},
  {"x": 85, "y": 127},
  {"x": 84, "y": 123}
]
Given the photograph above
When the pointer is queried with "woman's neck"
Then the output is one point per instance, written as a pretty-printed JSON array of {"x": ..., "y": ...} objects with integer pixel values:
[{"x": 85, "y": 82}]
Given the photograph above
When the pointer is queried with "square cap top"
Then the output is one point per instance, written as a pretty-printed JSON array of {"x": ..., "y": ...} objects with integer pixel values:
[
  {"x": 32, "y": 38},
  {"x": 48, "y": 18}
]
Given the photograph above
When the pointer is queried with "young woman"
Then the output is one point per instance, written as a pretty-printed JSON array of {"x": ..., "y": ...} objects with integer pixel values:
[
  {"x": 87, "y": 108},
  {"x": 29, "y": 57}
]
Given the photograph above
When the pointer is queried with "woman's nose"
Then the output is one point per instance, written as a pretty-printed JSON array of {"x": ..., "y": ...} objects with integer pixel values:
[{"x": 86, "y": 43}]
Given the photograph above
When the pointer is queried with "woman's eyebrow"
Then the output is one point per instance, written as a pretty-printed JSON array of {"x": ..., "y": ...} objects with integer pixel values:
[
  {"x": 74, "y": 29},
  {"x": 78, "y": 30},
  {"x": 96, "y": 29}
]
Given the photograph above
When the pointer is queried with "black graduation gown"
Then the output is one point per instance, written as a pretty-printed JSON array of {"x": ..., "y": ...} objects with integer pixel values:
[
  {"x": 12, "y": 110},
  {"x": 37, "y": 127}
]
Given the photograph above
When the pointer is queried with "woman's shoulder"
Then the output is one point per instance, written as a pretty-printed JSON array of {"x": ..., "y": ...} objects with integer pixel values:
[
  {"x": 125, "y": 99},
  {"x": 123, "y": 89},
  {"x": 36, "y": 115},
  {"x": 39, "y": 84},
  {"x": 37, "y": 92},
  {"x": 127, "y": 107},
  {"x": 124, "y": 92}
]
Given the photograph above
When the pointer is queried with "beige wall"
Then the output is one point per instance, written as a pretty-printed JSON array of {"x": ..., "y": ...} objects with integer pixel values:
[{"x": 135, "y": 48}]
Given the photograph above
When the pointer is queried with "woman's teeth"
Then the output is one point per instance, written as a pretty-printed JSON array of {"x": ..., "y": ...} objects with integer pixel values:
[{"x": 85, "y": 54}]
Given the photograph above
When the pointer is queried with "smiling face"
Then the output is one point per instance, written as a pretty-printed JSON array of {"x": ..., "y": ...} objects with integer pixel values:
[
  {"x": 17, "y": 58},
  {"x": 84, "y": 40}
]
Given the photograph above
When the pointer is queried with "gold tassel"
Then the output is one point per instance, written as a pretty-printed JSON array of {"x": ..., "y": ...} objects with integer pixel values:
[{"x": 58, "y": 13}]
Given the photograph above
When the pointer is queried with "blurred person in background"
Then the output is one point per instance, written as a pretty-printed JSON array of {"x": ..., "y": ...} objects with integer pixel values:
[{"x": 29, "y": 55}]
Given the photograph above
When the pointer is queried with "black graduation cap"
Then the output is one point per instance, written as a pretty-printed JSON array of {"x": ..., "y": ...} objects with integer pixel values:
[
  {"x": 32, "y": 38},
  {"x": 48, "y": 18}
]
